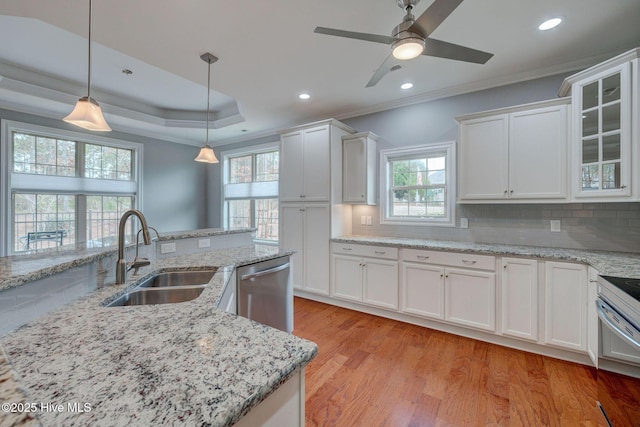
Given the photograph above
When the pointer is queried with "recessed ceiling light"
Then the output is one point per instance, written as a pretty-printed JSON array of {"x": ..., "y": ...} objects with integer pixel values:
[
  {"x": 304, "y": 96},
  {"x": 406, "y": 86},
  {"x": 549, "y": 24}
]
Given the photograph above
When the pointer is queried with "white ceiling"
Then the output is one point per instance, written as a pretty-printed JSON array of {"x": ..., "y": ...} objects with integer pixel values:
[{"x": 269, "y": 54}]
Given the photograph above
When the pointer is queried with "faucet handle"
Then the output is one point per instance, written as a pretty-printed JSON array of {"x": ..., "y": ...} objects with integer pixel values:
[{"x": 138, "y": 262}]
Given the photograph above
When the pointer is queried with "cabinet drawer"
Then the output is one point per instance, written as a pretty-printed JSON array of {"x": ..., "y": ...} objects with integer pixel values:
[
  {"x": 481, "y": 262},
  {"x": 384, "y": 252}
]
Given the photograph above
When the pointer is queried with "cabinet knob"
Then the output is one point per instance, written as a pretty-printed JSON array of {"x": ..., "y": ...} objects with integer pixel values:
[
  {"x": 623, "y": 186},
  {"x": 442, "y": 275},
  {"x": 505, "y": 192},
  {"x": 511, "y": 191},
  {"x": 468, "y": 262},
  {"x": 505, "y": 266},
  {"x": 422, "y": 257}
]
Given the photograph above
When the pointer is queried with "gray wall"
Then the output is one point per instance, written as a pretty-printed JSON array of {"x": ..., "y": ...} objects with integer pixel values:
[{"x": 174, "y": 186}]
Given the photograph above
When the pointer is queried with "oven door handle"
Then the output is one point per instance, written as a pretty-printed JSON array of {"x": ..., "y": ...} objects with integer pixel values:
[{"x": 602, "y": 308}]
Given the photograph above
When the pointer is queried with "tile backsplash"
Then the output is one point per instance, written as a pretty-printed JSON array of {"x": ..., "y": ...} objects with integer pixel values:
[{"x": 598, "y": 226}]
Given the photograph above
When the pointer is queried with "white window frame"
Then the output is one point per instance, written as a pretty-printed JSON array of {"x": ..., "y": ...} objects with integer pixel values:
[
  {"x": 449, "y": 147},
  {"x": 11, "y": 182},
  {"x": 245, "y": 151}
]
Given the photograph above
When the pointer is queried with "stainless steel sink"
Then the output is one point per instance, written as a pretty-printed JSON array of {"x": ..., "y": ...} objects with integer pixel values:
[
  {"x": 167, "y": 288},
  {"x": 178, "y": 278},
  {"x": 146, "y": 296}
]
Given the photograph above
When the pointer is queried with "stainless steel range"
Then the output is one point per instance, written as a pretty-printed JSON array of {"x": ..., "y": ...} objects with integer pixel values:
[{"x": 618, "y": 307}]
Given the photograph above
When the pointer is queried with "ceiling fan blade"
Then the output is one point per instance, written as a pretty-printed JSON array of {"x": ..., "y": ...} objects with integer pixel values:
[
  {"x": 433, "y": 16},
  {"x": 353, "y": 35},
  {"x": 389, "y": 64},
  {"x": 448, "y": 50}
]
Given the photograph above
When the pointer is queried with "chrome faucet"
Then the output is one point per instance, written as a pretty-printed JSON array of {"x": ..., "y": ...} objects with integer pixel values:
[{"x": 121, "y": 265}]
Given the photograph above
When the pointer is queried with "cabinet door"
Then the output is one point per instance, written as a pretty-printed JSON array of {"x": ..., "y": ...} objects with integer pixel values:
[
  {"x": 483, "y": 158},
  {"x": 291, "y": 167},
  {"x": 602, "y": 134},
  {"x": 593, "y": 322},
  {"x": 538, "y": 142},
  {"x": 520, "y": 298},
  {"x": 317, "y": 157},
  {"x": 292, "y": 237},
  {"x": 470, "y": 298},
  {"x": 423, "y": 290},
  {"x": 381, "y": 283},
  {"x": 347, "y": 277},
  {"x": 566, "y": 305},
  {"x": 354, "y": 169},
  {"x": 316, "y": 248}
]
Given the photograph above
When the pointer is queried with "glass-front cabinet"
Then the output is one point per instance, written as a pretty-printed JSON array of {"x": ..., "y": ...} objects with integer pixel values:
[{"x": 604, "y": 131}]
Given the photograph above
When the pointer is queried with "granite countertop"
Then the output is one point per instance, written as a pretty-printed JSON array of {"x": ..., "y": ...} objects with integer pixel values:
[
  {"x": 16, "y": 270},
  {"x": 619, "y": 264},
  {"x": 174, "y": 364}
]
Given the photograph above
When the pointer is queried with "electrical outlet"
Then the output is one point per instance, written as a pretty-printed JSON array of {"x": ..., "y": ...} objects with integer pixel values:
[
  {"x": 464, "y": 222},
  {"x": 204, "y": 243},
  {"x": 369, "y": 221},
  {"x": 363, "y": 220},
  {"x": 555, "y": 225},
  {"x": 167, "y": 248}
]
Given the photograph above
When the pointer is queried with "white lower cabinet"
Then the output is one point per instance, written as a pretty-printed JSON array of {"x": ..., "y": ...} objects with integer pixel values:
[
  {"x": 307, "y": 230},
  {"x": 464, "y": 296},
  {"x": 566, "y": 305},
  {"x": 470, "y": 298},
  {"x": 423, "y": 290},
  {"x": 593, "y": 322},
  {"x": 519, "y": 300},
  {"x": 366, "y": 279}
]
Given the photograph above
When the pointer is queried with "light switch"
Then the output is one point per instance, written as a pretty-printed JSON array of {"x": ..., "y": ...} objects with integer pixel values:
[
  {"x": 464, "y": 222},
  {"x": 369, "y": 222},
  {"x": 363, "y": 220},
  {"x": 555, "y": 225}
]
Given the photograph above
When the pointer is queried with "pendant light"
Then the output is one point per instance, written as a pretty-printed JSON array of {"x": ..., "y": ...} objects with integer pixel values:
[
  {"x": 206, "y": 154},
  {"x": 87, "y": 113}
]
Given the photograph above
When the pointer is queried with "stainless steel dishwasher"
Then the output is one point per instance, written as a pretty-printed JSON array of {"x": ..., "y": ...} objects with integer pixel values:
[{"x": 265, "y": 293}]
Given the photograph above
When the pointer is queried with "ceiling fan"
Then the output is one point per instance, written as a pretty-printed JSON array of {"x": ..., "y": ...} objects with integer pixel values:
[{"x": 411, "y": 38}]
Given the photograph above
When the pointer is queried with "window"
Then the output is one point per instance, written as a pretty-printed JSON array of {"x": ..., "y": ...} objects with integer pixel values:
[
  {"x": 251, "y": 190},
  {"x": 417, "y": 185},
  {"x": 64, "y": 187}
]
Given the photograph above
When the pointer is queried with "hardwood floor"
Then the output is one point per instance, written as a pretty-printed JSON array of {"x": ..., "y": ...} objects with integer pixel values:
[{"x": 371, "y": 371}]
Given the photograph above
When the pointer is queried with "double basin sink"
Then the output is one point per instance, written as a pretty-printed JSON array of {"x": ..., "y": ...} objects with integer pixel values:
[{"x": 167, "y": 288}]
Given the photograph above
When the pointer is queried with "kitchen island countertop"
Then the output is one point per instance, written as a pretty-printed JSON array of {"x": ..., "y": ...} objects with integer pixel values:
[{"x": 172, "y": 364}]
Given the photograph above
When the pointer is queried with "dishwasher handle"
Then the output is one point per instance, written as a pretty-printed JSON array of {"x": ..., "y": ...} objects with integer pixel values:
[{"x": 253, "y": 276}]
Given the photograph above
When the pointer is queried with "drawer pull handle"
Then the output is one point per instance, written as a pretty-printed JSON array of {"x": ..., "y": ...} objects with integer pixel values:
[
  {"x": 422, "y": 257},
  {"x": 468, "y": 262},
  {"x": 380, "y": 252},
  {"x": 347, "y": 249}
]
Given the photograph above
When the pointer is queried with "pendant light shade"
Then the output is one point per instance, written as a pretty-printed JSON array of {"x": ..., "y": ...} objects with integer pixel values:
[
  {"x": 87, "y": 113},
  {"x": 206, "y": 154}
]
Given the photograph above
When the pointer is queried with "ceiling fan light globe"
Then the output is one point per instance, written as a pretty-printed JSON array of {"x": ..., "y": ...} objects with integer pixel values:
[
  {"x": 87, "y": 114},
  {"x": 407, "y": 48}
]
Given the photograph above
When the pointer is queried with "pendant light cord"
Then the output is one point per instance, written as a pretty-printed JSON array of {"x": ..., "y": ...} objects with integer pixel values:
[
  {"x": 89, "y": 72},
  {"x": 208, "y": 99}
]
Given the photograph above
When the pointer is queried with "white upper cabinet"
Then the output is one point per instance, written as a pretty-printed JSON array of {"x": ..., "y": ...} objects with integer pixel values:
[
  {"x": 359, "y": 168},
  {"x": 605, "y": 139},
  {"x": 517, "y": 154},
  {"x": 308, "y": 157}
]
